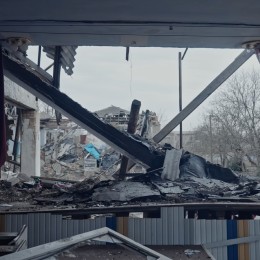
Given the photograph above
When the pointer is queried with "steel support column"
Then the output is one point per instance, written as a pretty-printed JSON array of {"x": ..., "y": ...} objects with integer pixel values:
[
  {"x": 222, "y": 77},
  {"x": 56, "y": 76},
  {"x": 180, "y": 94}
]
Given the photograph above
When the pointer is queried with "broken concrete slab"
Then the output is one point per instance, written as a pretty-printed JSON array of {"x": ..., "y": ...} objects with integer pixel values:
[
  {"x": 13, "y": 181},
  {"x": 125, "y": 191},
  {"x": 166, "y": 187},
  {"x": 58, "y": 200},
  {"x": 211, "y": 183},
  {"x": 89, "y": 183}
]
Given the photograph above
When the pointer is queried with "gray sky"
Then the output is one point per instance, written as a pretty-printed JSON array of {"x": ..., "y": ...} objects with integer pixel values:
[{"x": 102, "y": 77}]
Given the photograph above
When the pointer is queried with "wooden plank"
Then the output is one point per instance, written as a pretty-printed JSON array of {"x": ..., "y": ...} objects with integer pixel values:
[
  {"x": 120, "y": 225},
  {"x": 125, "y": 224},
  {"x": 241, "y": 247},
  {"x": 246, "y": 234}
]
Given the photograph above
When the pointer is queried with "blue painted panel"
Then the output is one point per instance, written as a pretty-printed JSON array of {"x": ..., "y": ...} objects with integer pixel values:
[
  {"x": 232, "y": 233},
  {"x": 111, "y": 223}
]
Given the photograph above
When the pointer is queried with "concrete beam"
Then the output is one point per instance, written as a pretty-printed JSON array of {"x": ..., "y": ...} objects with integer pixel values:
[{"x": 19, "y": 96}]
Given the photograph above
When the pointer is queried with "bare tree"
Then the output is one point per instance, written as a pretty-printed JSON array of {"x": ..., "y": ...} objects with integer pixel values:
[
  {"x": 234, "y": 132},
  {"x": 43, "y": 107}
]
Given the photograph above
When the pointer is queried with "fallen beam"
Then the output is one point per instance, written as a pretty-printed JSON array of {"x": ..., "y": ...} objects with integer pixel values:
[
  {"x": 222, "y": 77},
  {"x": 126, "y": 144},
  {"x": 132, "y": 124}
]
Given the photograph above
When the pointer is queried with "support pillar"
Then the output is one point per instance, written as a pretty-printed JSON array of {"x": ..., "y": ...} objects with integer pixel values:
[{"x": 30, "y": 139}]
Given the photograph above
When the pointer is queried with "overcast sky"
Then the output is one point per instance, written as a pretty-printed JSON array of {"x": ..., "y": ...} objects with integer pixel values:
[{"x": 102, "y": 77}]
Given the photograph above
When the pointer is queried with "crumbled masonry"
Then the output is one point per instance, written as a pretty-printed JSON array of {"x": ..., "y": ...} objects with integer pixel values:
[{"x": 198, "y": 181}]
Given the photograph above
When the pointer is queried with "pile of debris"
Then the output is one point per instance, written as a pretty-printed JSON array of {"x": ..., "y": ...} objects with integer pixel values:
[
  {"x": 188, "y": 179},
  {"x": 64, "y": 156},
  {"x": 61, "y": 156}
]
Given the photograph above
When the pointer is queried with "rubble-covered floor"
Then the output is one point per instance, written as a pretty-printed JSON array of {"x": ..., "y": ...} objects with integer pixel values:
[
  {"x": 184, "y": 178},
  {"x": 101, "y": 191}
]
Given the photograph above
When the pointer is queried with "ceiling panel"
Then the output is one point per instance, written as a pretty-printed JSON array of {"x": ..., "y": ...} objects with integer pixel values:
[{"x": 165, "y": 23}]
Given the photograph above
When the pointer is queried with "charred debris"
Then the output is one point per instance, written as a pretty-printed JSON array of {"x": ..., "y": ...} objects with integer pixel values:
[{"x": 189, "y": 179}]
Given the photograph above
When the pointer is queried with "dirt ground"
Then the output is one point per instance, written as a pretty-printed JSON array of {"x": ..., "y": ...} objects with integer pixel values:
[{"x": 115, "y": 252}]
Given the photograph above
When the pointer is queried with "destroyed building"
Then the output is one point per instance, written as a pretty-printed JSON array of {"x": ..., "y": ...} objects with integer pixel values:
[
  {"x": 182, "y": 201},
  {"x": 119, "y": 118},
  {"x": 62, "y": 147}
]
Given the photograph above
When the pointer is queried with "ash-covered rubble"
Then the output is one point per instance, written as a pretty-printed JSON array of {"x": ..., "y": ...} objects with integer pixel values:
[
  {"x": 187, "y": 179},
  {"x": 64, "y": 156}
]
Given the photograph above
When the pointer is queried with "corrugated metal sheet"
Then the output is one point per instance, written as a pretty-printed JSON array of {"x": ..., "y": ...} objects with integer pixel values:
[
  {"x": 45, "y": 227},
  {"x": 173, "y": 229},
  {"x": 204, "y": 231},
  {"x": 167, "y": 230},
  {"x": 170, "y": 229},
  {"x": 254, "y": 248},
  {"x": 68, "y": 54}
]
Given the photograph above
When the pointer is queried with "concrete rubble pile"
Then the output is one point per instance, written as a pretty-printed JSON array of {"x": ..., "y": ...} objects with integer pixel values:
[
  {"x": 188, "y": 179},
  {"x": 61, "y": 155},
  {"x": 66, "y": 157},
  {"x": 171, "y": 175}
]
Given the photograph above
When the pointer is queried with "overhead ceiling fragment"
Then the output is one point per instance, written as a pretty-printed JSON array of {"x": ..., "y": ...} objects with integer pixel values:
[{"x": 145, "y": 23}]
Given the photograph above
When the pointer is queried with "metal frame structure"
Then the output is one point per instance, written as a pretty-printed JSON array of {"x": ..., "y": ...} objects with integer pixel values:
[{"x": 221, "y": 78}]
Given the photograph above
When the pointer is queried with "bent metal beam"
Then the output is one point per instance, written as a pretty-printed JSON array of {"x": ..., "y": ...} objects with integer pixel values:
[
  {"x": 222, "y": 77},
  {"x": 126, "y": 144}
]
